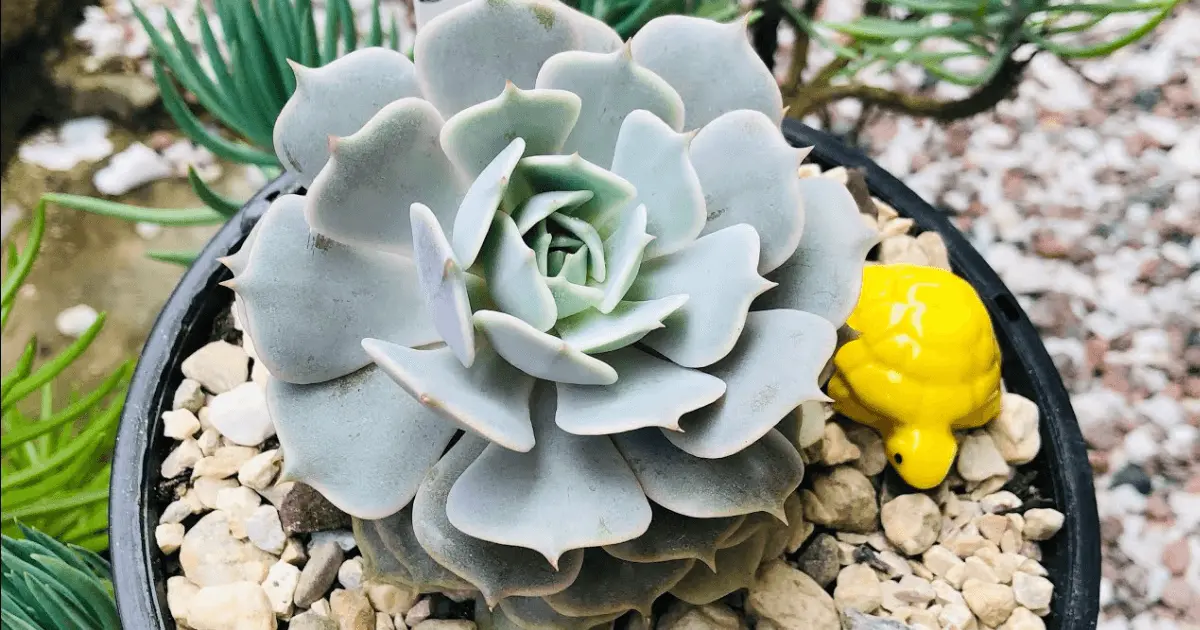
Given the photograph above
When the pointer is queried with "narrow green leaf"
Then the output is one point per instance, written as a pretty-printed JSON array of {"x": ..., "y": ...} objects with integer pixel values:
[
  {"x": 349, "y": 28},
  {"x": 220, "y": 204},
  {"x": 21, "y": 369},
  {"x": 191, "y": 126},
  {"x": 394, "y": 36},
  {"x": 53, "y": 367},
  {"x": 309, "y": 46},
  {"x": 253, "y": 131},
  {"x": 8, "y": 291},
  {"x": 1106, "y": 48},
  {"x": 174, "y": 257},
  {"x": 257, "y": 56},
  {"x": 253, "y": 95},
  {"x": 276, "y": 39},
  {"x": 95, "y": 431},
  {"x": 64, "y": 608},
  {"x": 375, "y": 38},
  {"x": 329, "y": 45},
  {"x": 73, "y": 411},
  {"x": 289, "y": 21},
  {"x": 177, "y": 217},
  {"x": 57, "y": 504}
]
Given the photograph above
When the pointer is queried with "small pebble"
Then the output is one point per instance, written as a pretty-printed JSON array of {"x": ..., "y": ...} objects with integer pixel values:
[
  {"x": 280, "y": 587},
  {"x": 241, "y": 415},
  {"x": 319, "y": 573},
  {"x": 352, "y": 610},
  {"x": 76, "y": 320},
  {"x": 259, "y": 472},
  {"x": 350, "y": 574},
  {"x": 189, "y": 395},
  {"x": 1042, "y": 523},
  {"x": 241, "y": 605},
  {"x": 169, "y": 537},
  {"x": 180, "y": 424},
  {"x": 911, "y": 522},
  {"x": 264, "y": 529},
  {"x": 218, "y": 366}
]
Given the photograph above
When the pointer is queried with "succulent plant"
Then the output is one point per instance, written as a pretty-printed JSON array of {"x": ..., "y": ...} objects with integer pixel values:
[{"x": 549, "y": 298}]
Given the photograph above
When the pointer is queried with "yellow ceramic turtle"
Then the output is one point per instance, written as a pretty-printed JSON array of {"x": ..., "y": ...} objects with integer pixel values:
[{"x": 926, "y": 362}]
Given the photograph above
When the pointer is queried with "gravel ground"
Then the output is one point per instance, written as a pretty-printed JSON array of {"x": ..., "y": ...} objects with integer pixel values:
[{"x": 1084, "y": 193}]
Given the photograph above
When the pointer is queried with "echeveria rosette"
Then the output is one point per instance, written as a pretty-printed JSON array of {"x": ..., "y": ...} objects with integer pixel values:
[{"x": 544, "y": 304}]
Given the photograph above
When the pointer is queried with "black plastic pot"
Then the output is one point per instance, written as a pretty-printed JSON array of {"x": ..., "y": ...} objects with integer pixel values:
[{"x": 192, "y": 313}]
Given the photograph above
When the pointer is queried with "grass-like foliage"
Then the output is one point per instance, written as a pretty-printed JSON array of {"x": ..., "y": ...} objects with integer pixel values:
[
  {"x": 53, "y": 459},
  {"x": 48, "y": 585},
  {"x": 242, "y": 79}
]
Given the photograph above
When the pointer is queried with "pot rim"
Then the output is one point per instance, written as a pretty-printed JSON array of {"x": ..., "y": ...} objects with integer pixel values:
[{"x": 186, "y": 320}]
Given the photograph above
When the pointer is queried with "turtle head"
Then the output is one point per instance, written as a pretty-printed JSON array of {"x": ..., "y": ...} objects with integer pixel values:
[{"x": 922, "y": 456}]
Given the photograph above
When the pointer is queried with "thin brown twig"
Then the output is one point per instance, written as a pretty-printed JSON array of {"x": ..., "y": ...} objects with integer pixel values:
[{"x": 799, "y": 61}]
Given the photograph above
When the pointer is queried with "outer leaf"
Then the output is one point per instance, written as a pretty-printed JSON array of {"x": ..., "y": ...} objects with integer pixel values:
[
  {"x": 824, "y": 276},
  {"x": 295, "y": 277},
  {"x": 610, "y": 87},
  {"x": 500, "y": 572},
  {"x": 490, "y": 398},
  {"x": 748, "y": 174},
  {"x": 654, "y": 158},
  {"x": 319, "y": 107},
  {"x": 225, "y": 206},
  {"x": 383, "y": 168},
  {"x": 539, "y": 354},
  {"x": 595, "y": 592},
  {"x": 756, "y": 479},
  {"x": 773, "y": 369},
  {"x": 717, "y": 273},
  {"x": 650, "y": 393},
  {"x": 688, "y": 52},
  {"x": 675, "y": 537},
  {"x": 368, "y": 463},
  {"x": 568, "y": 492}
]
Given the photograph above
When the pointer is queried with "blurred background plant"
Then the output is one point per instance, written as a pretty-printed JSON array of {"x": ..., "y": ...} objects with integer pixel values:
[
  {"x": 980, "y": 48},
  {"x": 48, "y": 585},
  {"x": 54, "y": 459}
]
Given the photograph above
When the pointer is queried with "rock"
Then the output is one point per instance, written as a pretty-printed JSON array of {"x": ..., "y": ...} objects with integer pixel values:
[
  {"x": 1134, "y": 476},
  {"x": 842, "y": 498},
  {"x": 280, "y": 587},
  {"x": 858, "y": 588},
  {"x": 957, "y": 617},
  {"x": 241, "y": 415},
  {"x": 911, "y": 522},
  {"x": 935, "y": 249},
  {"x": 1023, "y": 619},
  {"x": 991, "y": 603},
  {"x": 915, "y": 590},
  {"x": 888, "y": 600},
  {"x": 241, "y": 605},
  {"x": 389, "y": 598},
  {"x": 132, "y": 168},
  {"x": 445, "y": 624},
  {"x": 209, "y": 441},
  {"x": 177, "y": 511},
  {"x": 180, "y": 424},
  {"x": 312, "y": 621},
  {"x": 210, "y": 556},
  {"x": 820, "y": 560},
  {"x": 189, "y": 395},
  {"x": 343, "y": 538},
  {"x": 76, "y": 320},
  {"x": 835, "y": 447},
  {"x": 1004, "y": 565},
  {"x": 811, "y": 417},
  {"x": 238, "y": 502},
  {"x": 384, "y": 622},
  {"x": 999, "y": 502},
  {"x": 321, "y": 607},
  {"x": 1015, "y": 430},
  {"x": 681, "y": 616},
  {"x": 855, "y": 620},
  {"x": 979, "y": 458},
  {"x": 169, "y": 537},
  {"x": 944, "y": 594},
  {"x": 897, "y": 566},
  {"x": 872, "y": 457},
  {"x": 276, "y": 493},
  {"x": 183, "y": 457},
  {"x": 350, "y": 574},
  {"x": 303, "y": 510},
  {"x": 259, "y": 472},
  {"x": 318, "y": 573},
  {"x": 1042, "y": 523},
  {"x": 940, "y": 560},
  {"x": 788, "y": 599},
  {"x": 976, "y": 569},
  {"x": 992, "y": 526},
  {"x": 1032, "y": 592},
  {"x": 224, "y": 462},
  {"x": 294, "y": 552},
  {"x": 180, "y": 593},
  {"x": 206, "y": 489},
  {"x": 419, "y": 612},
  {"x": 352, "y": 610},
  {"x": 1011, "y": 541},
  {"x": 218, "y": 366},
  {"x": 264, "y": 529}
]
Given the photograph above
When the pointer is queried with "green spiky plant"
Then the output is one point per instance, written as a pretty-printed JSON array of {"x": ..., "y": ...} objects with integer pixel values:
[
  {"x": 890, "y": 33},
  {"x": 48, "y": 585},
  {"x": 53, "y": 459}
]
